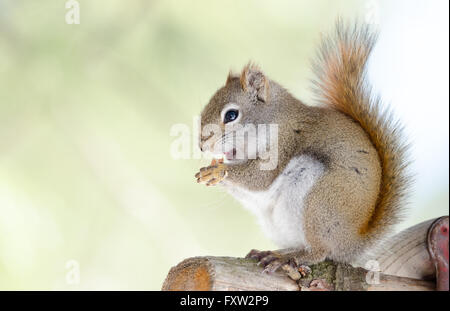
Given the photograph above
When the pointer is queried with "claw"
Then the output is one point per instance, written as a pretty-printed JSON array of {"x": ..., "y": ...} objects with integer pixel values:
[
  {"x": 268, "y": 260},
  {"x": 273, "y": 266},
  {"x": 213, "y": 182}
]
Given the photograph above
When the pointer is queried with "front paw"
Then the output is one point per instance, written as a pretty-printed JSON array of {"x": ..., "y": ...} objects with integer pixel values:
[{"x": 213, "y": 174}]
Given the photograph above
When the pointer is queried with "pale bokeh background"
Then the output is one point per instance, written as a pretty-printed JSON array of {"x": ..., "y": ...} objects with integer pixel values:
[{"x": 85, "y": 114}]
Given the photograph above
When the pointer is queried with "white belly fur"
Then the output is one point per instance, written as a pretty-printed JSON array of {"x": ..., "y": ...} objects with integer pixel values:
[{"x": 280, "y": 208}]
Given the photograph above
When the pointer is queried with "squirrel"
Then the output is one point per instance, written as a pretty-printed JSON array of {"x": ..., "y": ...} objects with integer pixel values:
[{"x": 341, "y": 177}]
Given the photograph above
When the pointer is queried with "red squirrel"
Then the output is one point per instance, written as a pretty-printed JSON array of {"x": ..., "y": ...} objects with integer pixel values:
[{"x": 341, "y": 176}]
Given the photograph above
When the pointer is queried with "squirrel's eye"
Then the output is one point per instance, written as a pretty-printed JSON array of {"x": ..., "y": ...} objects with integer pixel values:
[{"x": 231, "y": 115}]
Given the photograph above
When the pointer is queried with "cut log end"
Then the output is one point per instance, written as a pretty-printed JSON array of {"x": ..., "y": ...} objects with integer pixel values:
[{"x": 192, "y": 274}]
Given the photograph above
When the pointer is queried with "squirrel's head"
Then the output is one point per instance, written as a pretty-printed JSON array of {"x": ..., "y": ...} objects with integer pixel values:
[{"x": 235, "y": 114}]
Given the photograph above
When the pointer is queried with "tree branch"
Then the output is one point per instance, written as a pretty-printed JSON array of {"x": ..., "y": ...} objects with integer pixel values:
[
  {"x": 227, "y": 273},
  {"x": 404, "y": 263}
]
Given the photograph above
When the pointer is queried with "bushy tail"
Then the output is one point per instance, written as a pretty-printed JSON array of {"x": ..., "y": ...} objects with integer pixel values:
[{"x": 341, "y": 84}]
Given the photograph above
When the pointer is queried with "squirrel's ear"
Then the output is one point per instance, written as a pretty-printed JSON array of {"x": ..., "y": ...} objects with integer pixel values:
[
  {"x": 253, "y": 81},
  {"x": 229, "y": 78}
]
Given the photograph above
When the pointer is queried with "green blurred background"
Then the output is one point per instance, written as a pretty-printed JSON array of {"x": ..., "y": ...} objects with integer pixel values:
[{"x": 85, "y": 114}]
